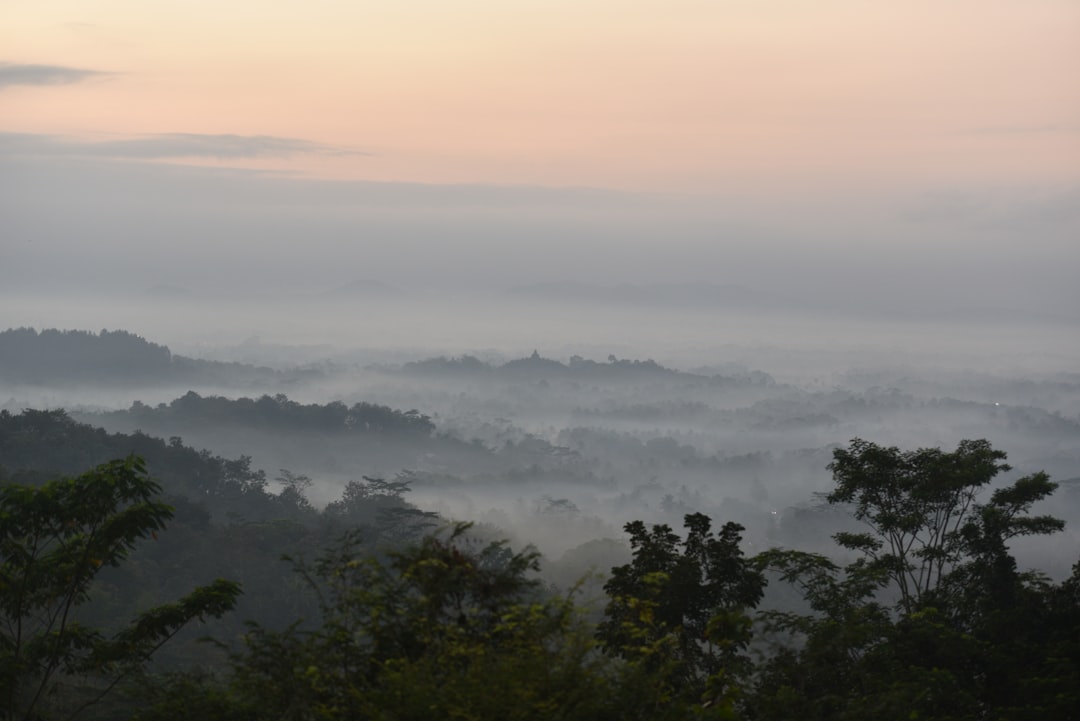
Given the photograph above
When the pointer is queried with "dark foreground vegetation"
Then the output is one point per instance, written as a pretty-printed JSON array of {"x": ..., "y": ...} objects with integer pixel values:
[{"x": 387, "y": 612}]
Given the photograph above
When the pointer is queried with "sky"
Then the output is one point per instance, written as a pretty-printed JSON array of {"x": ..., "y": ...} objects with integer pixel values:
[{"x": 924, "y": 152}]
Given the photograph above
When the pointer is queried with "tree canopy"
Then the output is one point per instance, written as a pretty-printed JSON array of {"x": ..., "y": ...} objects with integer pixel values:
[
  {"x": 924, "y": 615},
  {"x": 54, "y": 539}
]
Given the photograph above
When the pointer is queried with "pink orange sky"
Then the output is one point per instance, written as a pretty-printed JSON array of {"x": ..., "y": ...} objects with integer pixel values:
[{"x": 682, "y": 95}]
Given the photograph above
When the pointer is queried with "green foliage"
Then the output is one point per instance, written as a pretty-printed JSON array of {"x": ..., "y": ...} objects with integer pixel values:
[
  {"x": 917, "y": 505},
  {"x": 434, "y": 631},
  {"x": 821, "y": 667},
  {"x": 669, "y": 605},
  {"x": 54, "y": 540},
  {"x": 45, "y": 444},
  {"x": 443, "y": 629},
  {"x": 970, "y": 637},
  {"x": 454, "y": 628}
]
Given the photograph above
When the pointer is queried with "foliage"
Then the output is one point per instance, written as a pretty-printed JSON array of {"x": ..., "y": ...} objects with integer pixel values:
[
  {"x": 227, "y": 523},
  {"x": 279, "y": 413},
  {"x": 921, "y": 505},
  {"x": 443, "y": 629},
  {"x": 678, "y": 605},
  {"x": 54, "y": 540},
  {"x": 434, "y": 631},
  {"x": 44, "y": 444},
  {"x": 578, "y": 368},
  {"x": 378, "y": 506},
  {"x": 32, "y": 357},
  {"x": 61, "y": 357},
  {"x": 451, "y": 627},
  {"x": 970, "y": 636}
]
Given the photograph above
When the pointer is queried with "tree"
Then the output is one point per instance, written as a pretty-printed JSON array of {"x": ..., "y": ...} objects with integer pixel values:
[
  {"x": 378, "y": 507},
  {"x": 681, "y": 602},
  {"x": 54, "y": 540},
  {"x": 970, "y": 635},
  {"x": 293, "y": 495},
  {"x": 821, "y": 667},
  {"x": 922, "y": 507},
  {"x": 442, "y": 629}
]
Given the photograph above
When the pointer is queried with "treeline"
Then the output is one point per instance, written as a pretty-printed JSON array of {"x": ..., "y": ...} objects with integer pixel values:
[
  {"x": 31, "y": 357},
  {"x": 330, "y": 437},
  {"x": 228, "y": 520},
  {"x": 62, "y": 357},
  {"x": 929, "y": 617},
  {"x": 536, "y": 367},
  {"x": 278, "y": 413},
  {"x": 38, "y": 445}
]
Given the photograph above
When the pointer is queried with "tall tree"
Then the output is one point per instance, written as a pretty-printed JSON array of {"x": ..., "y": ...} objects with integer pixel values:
[
  {"x": 922, "y": 510},
  {"x": 683, "y": 601},
  {"x": 969, "y": 636}
]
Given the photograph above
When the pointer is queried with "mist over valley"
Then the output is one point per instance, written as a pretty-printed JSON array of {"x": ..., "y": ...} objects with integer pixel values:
[
  {"x": 682, "y": 361},
  {"x": 562, "y": 447}
]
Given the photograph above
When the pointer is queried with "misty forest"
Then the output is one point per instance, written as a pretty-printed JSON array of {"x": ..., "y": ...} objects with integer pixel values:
[
  {"x": 293, "y": 532},
  {"x": 548, "y": 360}
]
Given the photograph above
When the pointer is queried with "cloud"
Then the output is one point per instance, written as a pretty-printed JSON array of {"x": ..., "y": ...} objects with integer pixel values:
[
  {"x": 74, "y": 221},
  {"x": 19, "y": 74},
  {"x": 169, "y": 146},
  {"x": 191, "y": 145}
]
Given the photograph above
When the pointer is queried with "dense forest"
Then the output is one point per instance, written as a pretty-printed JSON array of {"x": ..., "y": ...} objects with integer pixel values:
[
  {"x": 388, "y": 611},
  {"x": 531, "y": 538}
]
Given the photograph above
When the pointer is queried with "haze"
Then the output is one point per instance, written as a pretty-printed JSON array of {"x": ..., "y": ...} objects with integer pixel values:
[
  {"x": 920, "y": 155},
  {"x": 822, "y": 192}
]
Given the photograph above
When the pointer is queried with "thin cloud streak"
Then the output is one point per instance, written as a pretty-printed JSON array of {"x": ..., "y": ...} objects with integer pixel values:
[
  {"x": 171, "y": 145},
  {"x": 12, "y": 74}
]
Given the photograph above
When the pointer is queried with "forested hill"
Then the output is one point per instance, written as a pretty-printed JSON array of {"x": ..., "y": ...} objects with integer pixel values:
[
  {"x": 65, "y": 357},
  {"x": 36, "y": 445},
  {"x": 229, "y": 520},
  {"x": 276, "y": 413},
  {"x": 929, "y": 616},
  {"x": 580, "y": 369},
  {"x": 332, "y": 438}
]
